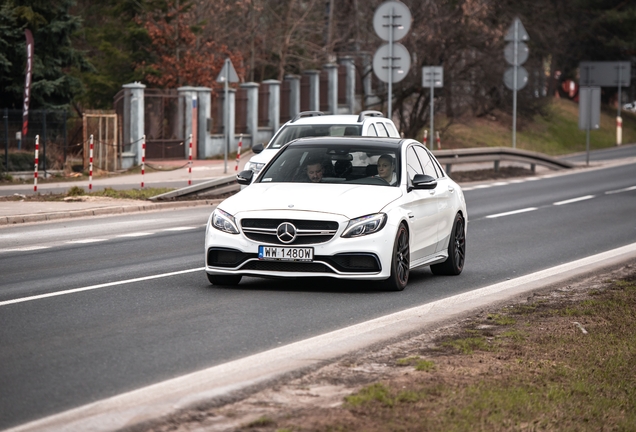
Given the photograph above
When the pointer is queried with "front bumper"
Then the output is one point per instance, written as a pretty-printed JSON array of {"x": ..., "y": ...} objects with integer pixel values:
[{"x": 366, "y": 257}]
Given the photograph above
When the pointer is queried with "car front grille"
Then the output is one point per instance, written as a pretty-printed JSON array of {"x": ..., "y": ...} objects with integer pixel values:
[
  {"x": 308, "y": 231},
  {"x": 285, "y": 266}
]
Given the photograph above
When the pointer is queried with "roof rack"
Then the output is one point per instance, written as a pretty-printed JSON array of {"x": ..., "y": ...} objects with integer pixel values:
[
  {"x": 370, "y": 113},
  {"x": 304, "y": 114}
]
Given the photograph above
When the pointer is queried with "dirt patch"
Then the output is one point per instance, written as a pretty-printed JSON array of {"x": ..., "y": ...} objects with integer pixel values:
[{"x": 445, "y": 362}]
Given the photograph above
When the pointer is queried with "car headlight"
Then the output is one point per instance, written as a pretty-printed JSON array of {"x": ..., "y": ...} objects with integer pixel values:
[
  {"x": 254, "y": 166},
  {"x": 224, "y": 222},
  {"x": 365, "y": 225}
]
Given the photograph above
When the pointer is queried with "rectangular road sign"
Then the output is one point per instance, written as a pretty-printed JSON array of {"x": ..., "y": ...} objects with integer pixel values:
[
  {"x": 605, "y": 74},
  {"x": 589, "y": 108},
  {"x": 433, "y": 76}
]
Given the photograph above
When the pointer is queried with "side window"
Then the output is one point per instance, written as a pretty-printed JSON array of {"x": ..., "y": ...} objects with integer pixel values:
[
  {"x": 381, "y": 130},
  {"x": 371, "y": 131},
  {"x": 427, "y": 163},
  {"x": 391, "y": 129},
  {"x": 412, "y": 163}
]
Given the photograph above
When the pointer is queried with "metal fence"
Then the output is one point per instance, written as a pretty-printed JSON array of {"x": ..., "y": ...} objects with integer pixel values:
[{"x": 60, "y": 135}]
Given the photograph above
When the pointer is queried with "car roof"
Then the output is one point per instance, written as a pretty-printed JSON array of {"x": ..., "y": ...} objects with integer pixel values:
[
  {"x": 317, "y": 117},
  {"x": 383, "y": 142}
]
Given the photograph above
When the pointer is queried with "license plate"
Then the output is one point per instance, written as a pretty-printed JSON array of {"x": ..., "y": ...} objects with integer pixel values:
[{"x": 285, "y": 253}]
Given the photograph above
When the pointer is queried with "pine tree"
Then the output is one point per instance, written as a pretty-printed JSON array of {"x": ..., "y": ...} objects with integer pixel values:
[{"x": 54, "y": 84}]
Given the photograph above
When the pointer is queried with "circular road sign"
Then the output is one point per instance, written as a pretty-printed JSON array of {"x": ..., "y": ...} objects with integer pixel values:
[
  {"x": 522, "y": 77},
  {"x": 401, "y": 20},
  {"x": 522, "y": 53},
  {"x": 401, "y": 63}
]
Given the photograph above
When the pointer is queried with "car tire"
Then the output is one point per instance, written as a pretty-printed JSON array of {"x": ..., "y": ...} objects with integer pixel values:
[
  {"x": 454, "y": 264},
  {"x": 400, "y": 262},
  {"x": 229, "y": 280}
]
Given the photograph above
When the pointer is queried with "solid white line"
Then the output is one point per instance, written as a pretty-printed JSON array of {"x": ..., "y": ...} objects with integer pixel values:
[
  {"x": 87, "y": 241},
  {"x": 25, "y": 249},
  {"x": 627, "y": 189},
  {"x": 514, "y": 212},
  {"x": 179, "y": 228},
  {"x": 573, "y": 200},
  {"x": 94, "y": 287},
  {"x": 137, "y": 234}
]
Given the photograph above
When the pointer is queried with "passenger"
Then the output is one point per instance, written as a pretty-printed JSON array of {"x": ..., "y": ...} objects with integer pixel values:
[
  {"x": 314, "y": 171},
  {"x": 386, "y": 169}
]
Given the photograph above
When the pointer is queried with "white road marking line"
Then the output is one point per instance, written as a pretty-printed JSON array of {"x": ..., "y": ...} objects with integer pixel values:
[
  {"x": 94, "y": 287},
  {"x": 137, "y": 234},
  {"x": 94, "y": 240},
  {"x": 525, "y": 210},
  {"x": 627, "y": 189},
  {"x": 25, "y": 249},
  {"x": 180, "y": 228},
  {"x": 573, "y": 200}
]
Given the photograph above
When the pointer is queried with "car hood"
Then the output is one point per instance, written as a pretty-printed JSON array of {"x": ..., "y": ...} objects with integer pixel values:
[
  {"x": 265, "y": 156},
  {"x": 350, "y": 201}
]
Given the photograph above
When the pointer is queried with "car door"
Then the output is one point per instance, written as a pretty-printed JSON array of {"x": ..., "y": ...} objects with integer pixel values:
[
  {"x": 442, "y": 194},
  {"x": 422, "y": 209}
]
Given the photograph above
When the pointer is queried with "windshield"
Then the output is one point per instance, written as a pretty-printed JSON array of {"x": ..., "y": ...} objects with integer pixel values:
[
  {"x": 335, "y": 164},
  {"x": 292, "y": 132}
]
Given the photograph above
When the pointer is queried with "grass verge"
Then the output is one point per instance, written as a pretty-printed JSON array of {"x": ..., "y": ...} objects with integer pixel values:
[
  {"x": 562, "y": 360},
  {"x": 79, "y": 194},
  {"x": 566, "y": 367}
]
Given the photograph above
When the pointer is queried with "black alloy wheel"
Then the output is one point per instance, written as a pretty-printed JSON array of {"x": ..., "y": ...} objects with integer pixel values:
[
  {"x": 454, "y": 264},
  {"x": 400, "y": 264}
]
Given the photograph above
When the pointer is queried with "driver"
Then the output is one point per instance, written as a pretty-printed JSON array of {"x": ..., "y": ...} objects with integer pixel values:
[
  {"x": 314, "y": 171},
  {"x": 386, "y": 168}
]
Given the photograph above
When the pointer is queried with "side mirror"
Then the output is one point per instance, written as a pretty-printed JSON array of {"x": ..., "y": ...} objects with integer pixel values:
[
  {"x": 245, "y": 177},
  {"x": 423, "y": 181},
  {"x": 257, "y": 148}
]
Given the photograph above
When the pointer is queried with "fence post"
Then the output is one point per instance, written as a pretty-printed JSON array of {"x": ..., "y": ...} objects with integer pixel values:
[
  {"x": 134, "y": 117},
  {"x": 35, "y": 169},
  {"x": 252, "y": 110},
  {"x": 44, "y": 142},
  {"x": 274, "y": 104},
  {"x": 65, "y": 138},
  {"x": 314, "y": 89},
  {"x": 332, "y": 87},
  {"x": 6, "y": 139}
]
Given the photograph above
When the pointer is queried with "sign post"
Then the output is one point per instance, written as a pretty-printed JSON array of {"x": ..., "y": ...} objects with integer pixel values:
[
  {"x": 607, "y": 74},
  {"x": 589, "y": 114},
  {"x": 227, "y": 75},
  {"x": 432, "y": 77},
  {"x": 516, "y": 77},
  {"x": 392, "y": 61}
]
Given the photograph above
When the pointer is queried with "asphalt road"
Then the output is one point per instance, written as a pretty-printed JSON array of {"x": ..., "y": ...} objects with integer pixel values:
[{"x": 67, "y": 350}]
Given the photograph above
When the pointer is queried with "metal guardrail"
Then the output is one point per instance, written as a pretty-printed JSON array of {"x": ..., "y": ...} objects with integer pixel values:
[
  {"x": 210, "y": 189},
  {"x": 227, "y": 185},
  {"x": 496, "y": 155}
]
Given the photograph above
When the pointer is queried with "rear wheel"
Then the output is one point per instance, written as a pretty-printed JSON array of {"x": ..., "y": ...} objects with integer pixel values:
[
  {"x": 224, "y": 279},
  {"x": 400, "y": 263},
  {"x": 454, "y": 264}
]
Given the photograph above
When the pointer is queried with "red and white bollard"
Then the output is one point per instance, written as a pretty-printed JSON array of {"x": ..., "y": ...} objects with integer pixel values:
[
  {"x": 619, "y": 130},
  {"x": 190, "y": 162},
  {"x": 90, "y": 165},
  {"x": 439, "y": 143},
  {"x": 143, "y": 159},
  {"x": 425, "y": 139},
  {"x": 238, "y": 152},
  {"x": 35, "y": 173}
]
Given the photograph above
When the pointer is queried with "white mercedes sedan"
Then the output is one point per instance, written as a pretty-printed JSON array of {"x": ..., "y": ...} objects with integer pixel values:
[{"x": 342, "y": 207}]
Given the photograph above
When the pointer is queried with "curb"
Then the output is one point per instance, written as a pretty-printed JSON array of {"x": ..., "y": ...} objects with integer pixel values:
[{"x": 101, "y": 211}]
